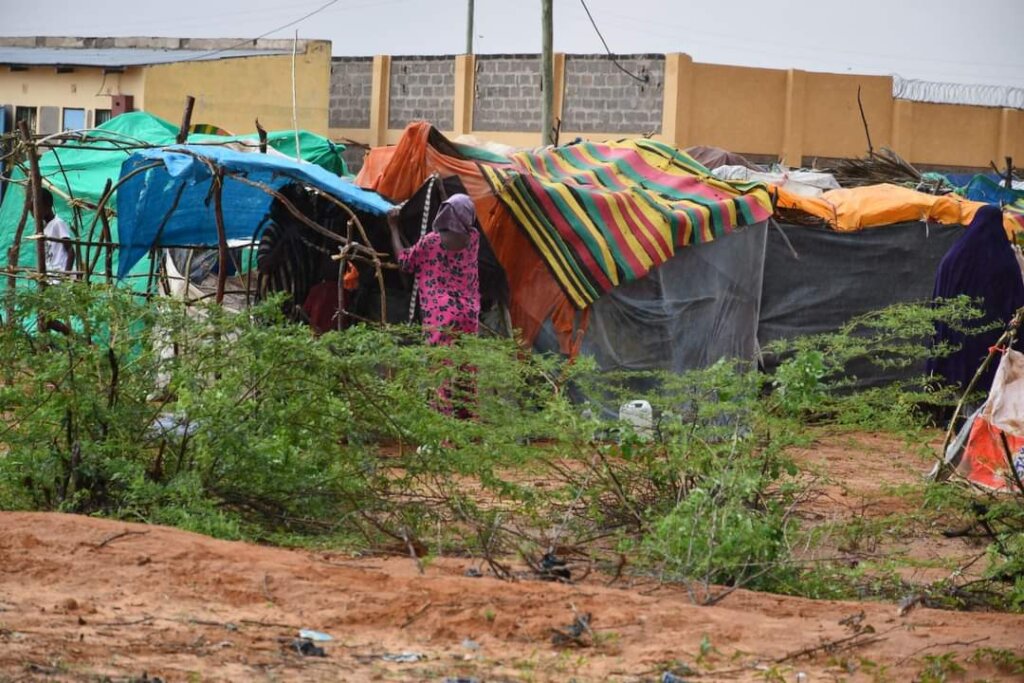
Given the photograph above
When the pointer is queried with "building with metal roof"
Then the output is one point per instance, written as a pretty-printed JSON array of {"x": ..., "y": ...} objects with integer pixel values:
[{"x": 68, "y": 83}]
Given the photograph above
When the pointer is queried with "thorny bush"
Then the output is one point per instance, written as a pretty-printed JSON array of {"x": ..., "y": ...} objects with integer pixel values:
[{"x": 247, "y": 426}]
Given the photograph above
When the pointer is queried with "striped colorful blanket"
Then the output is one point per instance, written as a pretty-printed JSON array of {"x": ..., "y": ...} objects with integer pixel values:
[{"x": 603, "y": 214}]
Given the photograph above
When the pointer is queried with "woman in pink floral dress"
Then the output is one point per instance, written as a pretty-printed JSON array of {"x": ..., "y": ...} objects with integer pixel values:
[{"x": 445, "y": 264}]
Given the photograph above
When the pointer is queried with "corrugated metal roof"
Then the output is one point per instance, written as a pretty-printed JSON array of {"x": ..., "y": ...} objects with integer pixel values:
[{"x": 116, "y": 57}]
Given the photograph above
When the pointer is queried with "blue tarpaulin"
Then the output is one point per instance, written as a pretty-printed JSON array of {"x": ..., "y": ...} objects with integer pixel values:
[
  {"x": 982, "y": 188},
  {"x": 144, "y": 201}
]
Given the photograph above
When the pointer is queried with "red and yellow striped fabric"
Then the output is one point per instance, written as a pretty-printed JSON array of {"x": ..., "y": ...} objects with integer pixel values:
[{"x": 603, "y": 214}]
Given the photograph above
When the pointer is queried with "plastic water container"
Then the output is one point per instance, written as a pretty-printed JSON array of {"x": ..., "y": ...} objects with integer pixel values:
[{"x": 640, "y": 416}]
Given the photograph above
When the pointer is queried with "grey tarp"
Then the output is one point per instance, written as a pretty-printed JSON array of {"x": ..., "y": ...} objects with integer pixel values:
[{"x": 699, "y": 306}]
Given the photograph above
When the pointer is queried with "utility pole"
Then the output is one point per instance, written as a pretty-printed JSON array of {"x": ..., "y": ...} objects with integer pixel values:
[
  {"x": 469, "y": 27},
  {"x": 547, "y": 68}
]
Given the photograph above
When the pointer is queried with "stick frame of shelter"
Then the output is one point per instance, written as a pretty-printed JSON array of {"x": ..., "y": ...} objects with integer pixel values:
[
  {"x": 35, "y": 190},
  {"x": 13, "y": 255},
  {"x": 153, "y": 265},
  {"x": 186, "y": 120},
  {"x": 222, "y": 242},
  {"x": 104, "y": 236},
  {"x": 262, "y": 135},
  {"x": 86, "y": 238}
]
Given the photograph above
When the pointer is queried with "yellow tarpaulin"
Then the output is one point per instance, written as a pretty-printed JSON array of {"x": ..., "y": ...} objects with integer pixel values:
[{"x": 856, "y": 208}]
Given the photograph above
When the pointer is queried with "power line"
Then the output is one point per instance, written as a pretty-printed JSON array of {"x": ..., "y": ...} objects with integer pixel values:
[
  {"x": 646, "y": 78},
  {"x": 244, "y": 43}
]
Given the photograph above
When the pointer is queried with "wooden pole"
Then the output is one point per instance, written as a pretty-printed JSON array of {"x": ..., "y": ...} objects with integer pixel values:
[
  {"x": 36, "y": 191},
  {"x": 13, "y": 254},
  {"x": 186, "y": 120},
  {"x": 469, "y": 27},
  {"x": 261, "y": 131},
  {"x": 295, "y": 102},
  {"x": 547, "y": 68},
  {"x": 222, "y": 242}
]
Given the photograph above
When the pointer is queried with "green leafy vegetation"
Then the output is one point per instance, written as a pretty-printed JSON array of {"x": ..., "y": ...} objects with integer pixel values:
[{"x": 245, "y": 426}]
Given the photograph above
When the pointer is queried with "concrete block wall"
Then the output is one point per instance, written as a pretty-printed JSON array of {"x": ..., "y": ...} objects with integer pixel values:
[
  {"x": 351, "y": 92},
  {"x": 507, "y": 93},
  {"x": 600, "y": 97},
  {"x": 764, "y": 114},
  {"x": 422, "y": 88}
]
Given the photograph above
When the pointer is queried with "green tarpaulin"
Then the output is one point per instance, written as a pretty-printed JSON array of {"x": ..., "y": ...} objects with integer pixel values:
[{"x": 77, "y": 173}]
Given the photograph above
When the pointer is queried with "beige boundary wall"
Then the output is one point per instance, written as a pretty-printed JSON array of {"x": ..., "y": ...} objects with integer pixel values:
[{"x": 795, "y": 116}]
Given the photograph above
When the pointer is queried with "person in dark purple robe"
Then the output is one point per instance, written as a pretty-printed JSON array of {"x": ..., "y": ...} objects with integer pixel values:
[{"x": 982, "y": 265}]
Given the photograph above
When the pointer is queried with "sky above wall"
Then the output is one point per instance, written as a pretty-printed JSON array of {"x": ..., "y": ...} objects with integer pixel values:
[{"x": 940, "y": 40}]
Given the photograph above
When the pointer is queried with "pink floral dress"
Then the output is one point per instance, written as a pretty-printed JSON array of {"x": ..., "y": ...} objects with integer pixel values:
[{"x": 449, "y": 285}]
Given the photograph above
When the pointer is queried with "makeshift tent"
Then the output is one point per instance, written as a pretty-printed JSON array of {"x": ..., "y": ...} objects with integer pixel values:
[
  {"x": 169, "y": 203},
  {"x": 77, "y": 172},
  {"x": 724, "y": 298},
  {"x": 993, "y": 437}
]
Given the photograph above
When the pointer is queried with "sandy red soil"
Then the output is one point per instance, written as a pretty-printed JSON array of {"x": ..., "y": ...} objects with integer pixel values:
[{"x": 81, "y": 600}]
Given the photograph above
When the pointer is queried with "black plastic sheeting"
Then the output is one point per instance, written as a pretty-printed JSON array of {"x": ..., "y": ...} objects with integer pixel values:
[
  {"x": 699, "y": 306},
  {"x": 727, "y": 298},
  {"x": 815, "y": 280}
]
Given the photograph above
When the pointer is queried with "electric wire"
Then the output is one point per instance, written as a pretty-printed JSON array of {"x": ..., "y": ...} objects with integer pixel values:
[
  {"x": 643, "y": 79},
  {"x": 244, "y": 43}
]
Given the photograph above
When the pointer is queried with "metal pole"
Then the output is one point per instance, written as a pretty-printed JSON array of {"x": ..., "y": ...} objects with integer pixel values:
[
  {"x": 469, "y": 27},
  {"x": 547, "y": 67}
]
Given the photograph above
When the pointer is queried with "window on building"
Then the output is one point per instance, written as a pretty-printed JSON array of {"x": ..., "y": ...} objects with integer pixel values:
[
  {"x": 26, "y": 114},
  {"x": 74, "y": 119},
  {"x": 101, "y": 116}
]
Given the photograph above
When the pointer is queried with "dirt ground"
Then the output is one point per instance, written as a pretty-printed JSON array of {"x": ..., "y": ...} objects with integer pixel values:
[{"x": 84, "y": 599}]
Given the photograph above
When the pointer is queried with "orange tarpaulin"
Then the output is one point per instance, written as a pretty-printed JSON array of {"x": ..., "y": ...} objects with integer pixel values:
[
  {"x": 856, "y": 208},
  {"x": 397, "y": 172}
]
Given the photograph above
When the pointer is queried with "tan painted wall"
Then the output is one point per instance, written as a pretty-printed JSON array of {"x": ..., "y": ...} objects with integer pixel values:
[
  {"x": 738, "y": 108},
  {"x": 941, "y": 131},
  {"x": 793, "y": 115},
  {"x": 832, "y": 125},
  {"x": 232, "y": 93},
  {"x": 88, "y": 89}
]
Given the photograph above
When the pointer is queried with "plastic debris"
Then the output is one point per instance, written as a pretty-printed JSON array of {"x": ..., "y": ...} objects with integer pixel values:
[
  {"x": 403, "y": 657},
  {"x": 315, "y": 636},
  {"x": 306, "y": 648},
  {"x": 470, "y": 644},
  {"x": 553, "y": 568}
]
